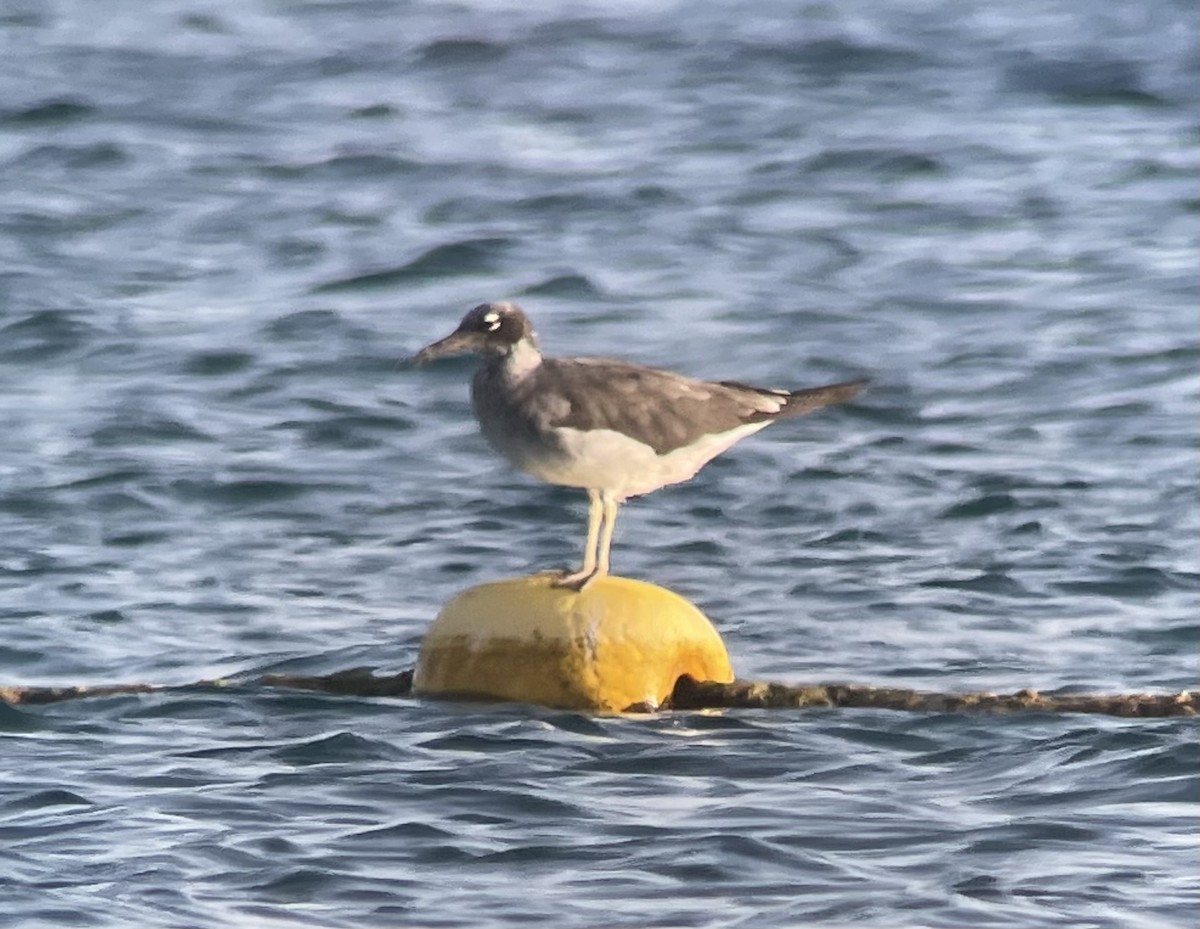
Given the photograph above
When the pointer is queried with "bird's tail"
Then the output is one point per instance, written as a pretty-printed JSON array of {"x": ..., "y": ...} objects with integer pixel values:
[
  {"x": 799, "y": 402},
  {"x": 808, "y": 399}
]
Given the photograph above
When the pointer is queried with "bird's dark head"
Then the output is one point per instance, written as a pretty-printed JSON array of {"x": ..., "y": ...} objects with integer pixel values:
[{"x": 494, "y": 329}]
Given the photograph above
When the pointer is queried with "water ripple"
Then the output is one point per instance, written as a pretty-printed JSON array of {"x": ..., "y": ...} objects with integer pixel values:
[{"x": 222, "y": 231}]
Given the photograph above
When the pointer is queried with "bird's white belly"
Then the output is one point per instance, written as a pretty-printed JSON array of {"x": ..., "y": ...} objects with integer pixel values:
[{"x": 607, "y": 460}]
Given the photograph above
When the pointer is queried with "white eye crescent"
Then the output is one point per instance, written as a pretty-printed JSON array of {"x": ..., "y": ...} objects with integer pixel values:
[{"x": 492, "y": 321}]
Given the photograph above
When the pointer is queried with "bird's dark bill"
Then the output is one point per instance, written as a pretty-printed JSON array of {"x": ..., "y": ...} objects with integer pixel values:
[{"x": 456, "y": 343}]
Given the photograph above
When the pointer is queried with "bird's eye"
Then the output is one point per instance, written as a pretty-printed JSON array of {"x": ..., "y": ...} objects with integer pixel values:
[{"x": 491, "y": 322}]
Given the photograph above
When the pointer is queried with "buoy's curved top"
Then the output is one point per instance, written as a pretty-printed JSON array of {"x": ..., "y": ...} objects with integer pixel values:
[{"x": 618, "y": 644}]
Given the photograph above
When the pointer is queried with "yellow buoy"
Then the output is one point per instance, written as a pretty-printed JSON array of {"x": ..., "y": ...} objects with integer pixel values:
[{"x": 617, "y": 644}]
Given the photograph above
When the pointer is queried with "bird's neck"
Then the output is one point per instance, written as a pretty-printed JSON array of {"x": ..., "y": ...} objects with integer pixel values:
[{"x": 518, "y": 362}]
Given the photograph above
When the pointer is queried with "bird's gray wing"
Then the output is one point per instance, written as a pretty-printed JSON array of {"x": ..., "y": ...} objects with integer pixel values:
[{"x": 658, "y": 408}]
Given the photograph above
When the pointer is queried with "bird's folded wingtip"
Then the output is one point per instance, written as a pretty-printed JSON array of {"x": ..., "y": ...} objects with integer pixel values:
[
  {"x": 813, "y": 398},
  {"x": 842, "y": 390}
]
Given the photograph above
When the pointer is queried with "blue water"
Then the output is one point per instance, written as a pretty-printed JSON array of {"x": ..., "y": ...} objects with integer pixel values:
[{"x": 223, "y": 225}]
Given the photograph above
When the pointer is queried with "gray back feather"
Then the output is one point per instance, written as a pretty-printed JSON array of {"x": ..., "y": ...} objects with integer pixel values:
[{"x": 659, "y": 408}]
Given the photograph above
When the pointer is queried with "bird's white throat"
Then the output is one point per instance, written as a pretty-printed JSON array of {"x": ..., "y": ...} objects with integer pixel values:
[{"x": 521, "y": 361}]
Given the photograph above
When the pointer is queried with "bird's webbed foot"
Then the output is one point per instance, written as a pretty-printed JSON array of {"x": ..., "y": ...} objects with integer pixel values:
[{"x": 574, "y": 580}]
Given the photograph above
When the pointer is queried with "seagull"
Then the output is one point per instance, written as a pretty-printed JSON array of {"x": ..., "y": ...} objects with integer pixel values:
[{"x": 615, "y": 428}]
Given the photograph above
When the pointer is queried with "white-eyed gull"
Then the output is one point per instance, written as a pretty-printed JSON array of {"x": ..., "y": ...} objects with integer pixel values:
[{"x": 614, "y": 428}]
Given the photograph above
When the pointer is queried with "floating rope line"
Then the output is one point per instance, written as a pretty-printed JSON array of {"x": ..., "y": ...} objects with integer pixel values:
[
  {"x": 693, "y": 695},
  {"x": 10, "y": 694}
]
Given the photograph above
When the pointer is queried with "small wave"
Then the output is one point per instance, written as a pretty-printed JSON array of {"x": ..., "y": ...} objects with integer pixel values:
[
  {"x": 983, "y": 505},
  {"x": 1014, "y": 837},
  {"x": 568, "y": 286},
  {"x": 244, "y": 492},
  {"x": 340, "y": 748},
  {"x": 830, "y": 57},
  {"x": 218, "y": 363},
  {"x": 304, "y": 325},
  {"x": 566, "y": 204},
  {"x": 1171, "y": 640},
  {"x": 41, "y": 799},
  {"x": 74, "y": 157},
  {"x": 43, "y": 335},
  {"x": 461, "y": 52},
  {"x": 1086, "y": 79},
  {"x": 374, "y": 111},
  {"x": 485, "y": 744},
  {"x": 54, "y": 111},
  {"x": 350, "y": 431},
  {"x": 133, "y": 429},
  {"x": 896, "y": 162},
  {"x": 13, "y": 719},
  {"x": 296, "y": 886},
  {"x": 992, "y": 582},
  {"x": 472, "y": 256},
  {"x": 137, "y": 539},
  {"x": 1136, "y": 582},
  {"x": 345, "y": 166},
  {"x": 851, "y": 536}
]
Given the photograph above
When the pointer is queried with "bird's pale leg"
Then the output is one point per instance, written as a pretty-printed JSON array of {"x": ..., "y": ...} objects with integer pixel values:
[
  {"x": 606, "y": 533},
  {"x": 578, "y": 578}
]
